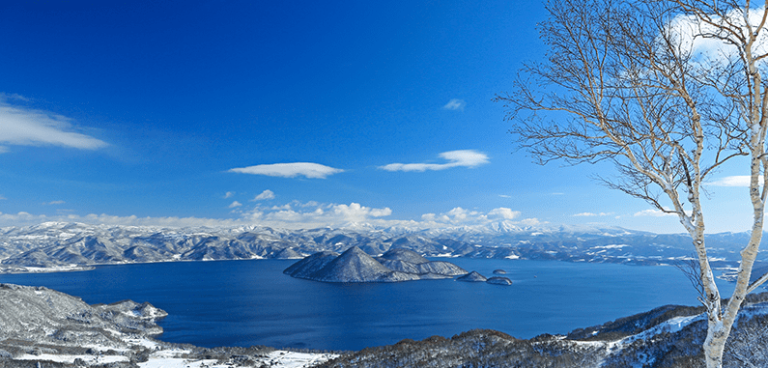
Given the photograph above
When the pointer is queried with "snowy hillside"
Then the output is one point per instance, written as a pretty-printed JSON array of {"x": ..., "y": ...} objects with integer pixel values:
[
  {"x": 39, "y": 325},
  {"x": 669, "y": 336}
]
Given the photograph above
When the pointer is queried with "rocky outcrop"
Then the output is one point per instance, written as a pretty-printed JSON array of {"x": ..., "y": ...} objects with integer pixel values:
[
  {"x": 499, "y": 272},
  {"x": 354, "y": 265},
  {"x": 473, "y": 276}
]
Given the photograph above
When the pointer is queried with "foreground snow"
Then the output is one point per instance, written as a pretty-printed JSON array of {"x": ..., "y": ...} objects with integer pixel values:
[{"x": 275, "y": 359}]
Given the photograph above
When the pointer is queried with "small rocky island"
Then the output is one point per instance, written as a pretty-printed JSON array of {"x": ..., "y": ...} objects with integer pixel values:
[
  {"x": 497, "y": 280},
  {"x": 354, "y": 265},
  {"x": 474, "y": 276}
]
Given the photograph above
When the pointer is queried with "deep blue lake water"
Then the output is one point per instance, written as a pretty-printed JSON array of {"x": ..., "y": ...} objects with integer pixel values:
[{"x": 243, "y": 303}]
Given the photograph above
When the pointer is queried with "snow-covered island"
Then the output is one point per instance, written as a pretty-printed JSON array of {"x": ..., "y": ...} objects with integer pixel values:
[{"x": 354, "y": 265}]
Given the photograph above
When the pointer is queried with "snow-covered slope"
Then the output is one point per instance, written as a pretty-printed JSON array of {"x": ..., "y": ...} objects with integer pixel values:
[
  {"x": 40, "y": 327},
  {"x": 668, "y": 337}
]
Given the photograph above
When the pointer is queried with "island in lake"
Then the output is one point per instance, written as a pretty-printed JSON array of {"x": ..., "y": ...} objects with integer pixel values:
[{"x": 354, "y": 265}]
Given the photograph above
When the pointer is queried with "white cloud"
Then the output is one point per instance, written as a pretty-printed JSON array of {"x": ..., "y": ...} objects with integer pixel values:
[
  {"x": 455, "y": 104},
  {"x": 531, "y": 222},
  {"x": 290, "y": 170},
  {"x": 313, "y": 214},
  {"x": 458, "y": 215},
  {"x": 505, "y": 196},
  {"x": 590, "y": 214},
  {"x": 585, "y": 214},
  {"x": 653, "y": 213},
  {"x": 709, "y": 50},
  {"x": 27, "y": 127},
  {"x": 460, "y": 158},
  {"x": 228, "y": 195},
  {"x": 734, "y": 181},
  {"x": 294, "y": 215},
  {"x": 356, "y": 212},
  {"x": 267, "y": 194},
  {"x": 505, "y": 213},
  {"x": 54, "y": 202},
  {"x": 2, "y": 197}
]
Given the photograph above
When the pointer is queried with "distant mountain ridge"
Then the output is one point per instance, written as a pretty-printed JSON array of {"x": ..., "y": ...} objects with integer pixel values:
[{"x": 71, "y": 246}]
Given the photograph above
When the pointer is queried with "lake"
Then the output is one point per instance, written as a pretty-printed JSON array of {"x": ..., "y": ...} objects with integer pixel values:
[{"x": 244, "y": 303}]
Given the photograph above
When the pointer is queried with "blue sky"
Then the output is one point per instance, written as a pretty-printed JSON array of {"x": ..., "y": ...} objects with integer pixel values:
[{"x": 290, "y": 113}]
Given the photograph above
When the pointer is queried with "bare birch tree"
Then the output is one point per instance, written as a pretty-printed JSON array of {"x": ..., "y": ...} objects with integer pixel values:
[{"x": 667, "y": 91}]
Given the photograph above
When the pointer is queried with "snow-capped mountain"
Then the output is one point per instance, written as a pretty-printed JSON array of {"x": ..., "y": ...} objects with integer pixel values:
[{"x": 58, "y": 245}]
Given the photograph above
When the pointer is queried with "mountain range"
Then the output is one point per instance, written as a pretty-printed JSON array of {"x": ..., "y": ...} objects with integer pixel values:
[{"x": 71, "y": 246}]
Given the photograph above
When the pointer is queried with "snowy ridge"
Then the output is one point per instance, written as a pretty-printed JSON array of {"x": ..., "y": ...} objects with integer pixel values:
[{"x": 59, "y": 246}]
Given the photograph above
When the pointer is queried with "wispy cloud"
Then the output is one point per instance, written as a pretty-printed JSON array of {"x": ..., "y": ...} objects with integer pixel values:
[
  {"x": 590, "y": 214},
  {"x": 235, "y": 204},
  {"x": 503, "y": 213},
  {"x": 653, "y": 213},
  {"x": 51, "y": 203},
  {"x": 734, "y": 181},
  {"x": 455, "y": 104},
  {"x": 461, "y": 158},
  {"x": 28, "y": 127},
  {"x": 26, "y": 218},
  {"x": 12, "y": 96},
  {"x": 505, "y": 196},
  {"x": 267, "y": 194},
  {"x": 229, "y": 195},
  {"x": 290, "y": 170}
]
